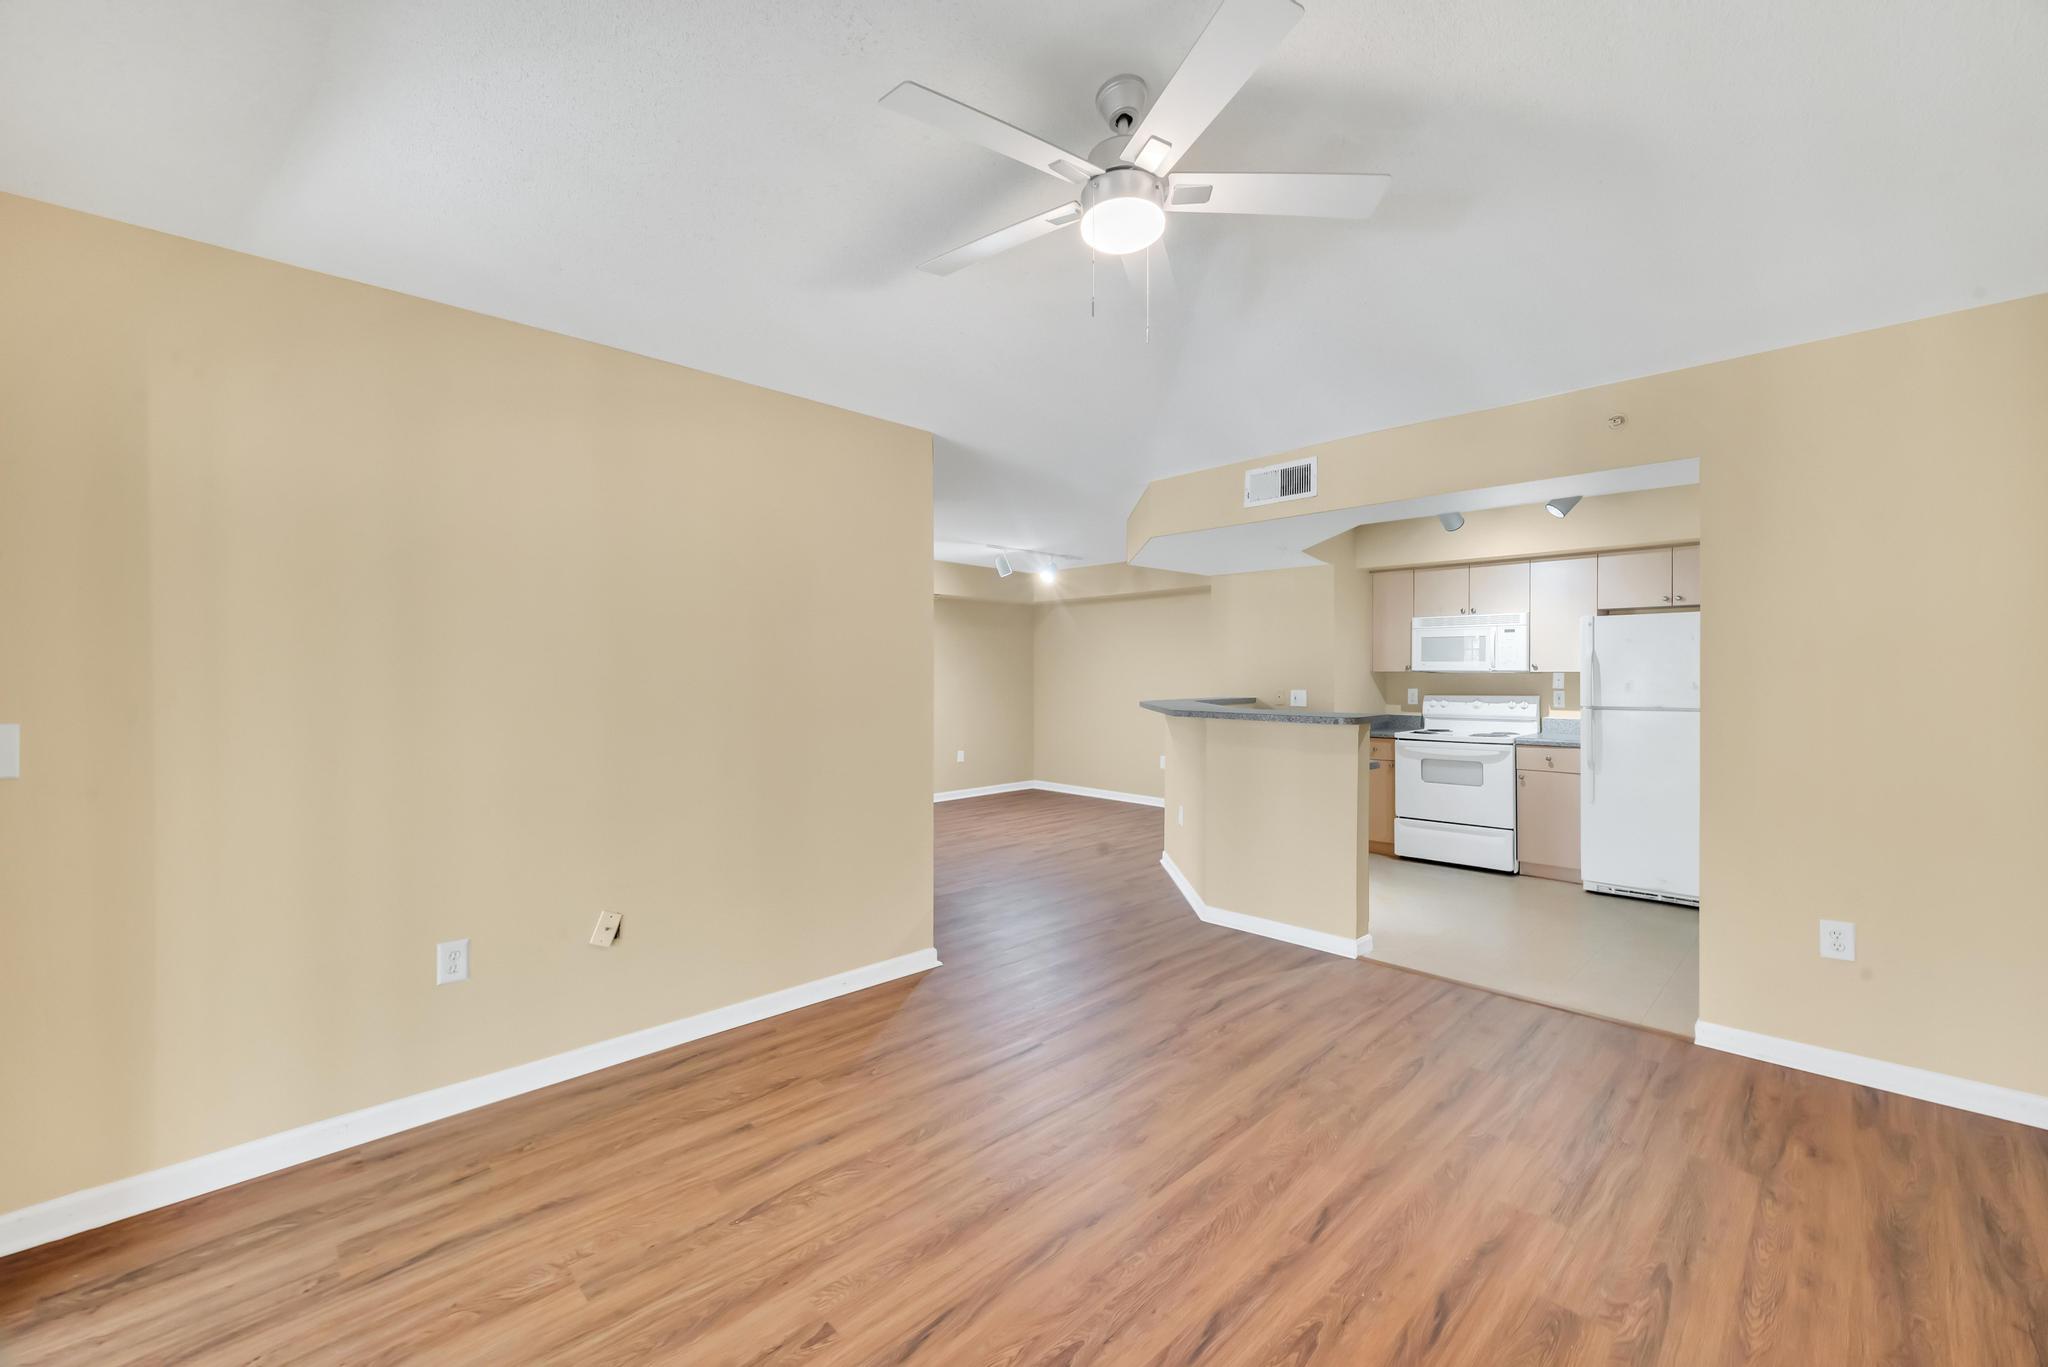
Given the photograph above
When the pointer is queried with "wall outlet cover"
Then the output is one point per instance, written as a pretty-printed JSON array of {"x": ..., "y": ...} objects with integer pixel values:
[
  {"x": 451, "y": 962},
  {"x": 1162, "y": 761},
  {"x": 1180, "y": 816},
  {"x": 1414, "y": 696},
  {"x": 1557, "y": 697},
  {"x": 1297, "y": 697},
  {"x": 10, "y": 750},
  {"x": 1557, "y": 678},
  {"x": 959, "y": 757},
  {"x": 1838, "y": 939},
  {"x": 607, "y": 929}
]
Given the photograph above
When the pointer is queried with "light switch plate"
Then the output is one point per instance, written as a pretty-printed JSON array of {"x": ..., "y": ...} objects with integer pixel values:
[
  {"x": 10, "y": 750},
  {"x": 451, "y": 962},
  {"x": 1414, "y": 696},
  {"x": 607, "y": 929},
  {"x": 1297, "y": 697},
  {"x": 959, "y": 757},
  {"x": 1162, "y": 761},
  {"x": 1557, "y": 678}
]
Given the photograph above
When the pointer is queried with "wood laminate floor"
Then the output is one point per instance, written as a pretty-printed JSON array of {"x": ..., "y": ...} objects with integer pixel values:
[{"x": 1107, "y": 1133}]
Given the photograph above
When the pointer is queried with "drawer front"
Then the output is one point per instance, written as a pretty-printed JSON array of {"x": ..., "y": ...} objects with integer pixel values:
[
  {"x": 1383, "y": 750},
  {"x": 1555, "y": 759}
]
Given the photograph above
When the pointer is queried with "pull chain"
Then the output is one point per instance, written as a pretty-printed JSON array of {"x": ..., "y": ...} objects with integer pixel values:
[{"x": 1148, "y": 296}]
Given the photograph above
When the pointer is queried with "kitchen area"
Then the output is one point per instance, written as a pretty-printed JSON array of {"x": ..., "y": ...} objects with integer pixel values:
[{"x": 1534, "y": 816}]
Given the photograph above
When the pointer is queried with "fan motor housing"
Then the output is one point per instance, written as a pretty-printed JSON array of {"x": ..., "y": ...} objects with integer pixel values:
[{"x": 1121, "y": 101}]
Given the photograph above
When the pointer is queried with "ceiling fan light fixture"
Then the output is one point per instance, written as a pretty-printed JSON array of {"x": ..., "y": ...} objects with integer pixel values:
[{"x": 1123, "y": 211}]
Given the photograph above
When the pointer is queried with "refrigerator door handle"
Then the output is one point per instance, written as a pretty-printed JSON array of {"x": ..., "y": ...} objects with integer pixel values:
[
  {"x": 1589, "y": 695},
  {"x": 1591, "y": 725}
]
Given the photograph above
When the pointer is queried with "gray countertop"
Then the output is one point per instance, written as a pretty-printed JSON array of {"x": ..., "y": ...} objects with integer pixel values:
[
  {"x": 1557, "y": 731},
  {"x": 1251, "y": 709}
]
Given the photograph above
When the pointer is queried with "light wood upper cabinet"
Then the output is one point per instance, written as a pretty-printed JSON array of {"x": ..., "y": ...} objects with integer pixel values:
[
  {"x": 1500, "y": 588},
  {"x": 1561, "y": 592},
  {"x": 1685, "y": 576},
  {"x": 1393, "y": 613},
  {"x": 1443, "y": 592},
  {"x": 1636, "y": 579}
]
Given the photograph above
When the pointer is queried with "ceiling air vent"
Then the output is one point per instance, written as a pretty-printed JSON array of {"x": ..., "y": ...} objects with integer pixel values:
[{"x": 1280, "y": 483}]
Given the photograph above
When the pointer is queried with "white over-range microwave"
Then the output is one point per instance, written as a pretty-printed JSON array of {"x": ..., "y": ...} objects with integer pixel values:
[{"x": 1472, "y": 643}]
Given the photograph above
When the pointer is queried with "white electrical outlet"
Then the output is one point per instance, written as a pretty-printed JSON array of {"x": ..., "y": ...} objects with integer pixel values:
[
  {"x": 959, "y": 757},
  {"x": 1414, "y": 696},
  {"x": 1838, "y": 939},
  {"x": 1180, "y": 816},
  {"x": 1297, "y": 697},
  {"x": 451, "y": 962},
  {"x": 1557, "y": 678},
  {"x": 1557, "y": 697},
  {"x": 607, "y": 929},
  {"x": 1162, "y": 761},
  {"x": 10, "y": 750}
]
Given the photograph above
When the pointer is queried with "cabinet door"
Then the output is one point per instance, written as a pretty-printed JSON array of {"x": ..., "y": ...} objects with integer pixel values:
[
  {"x": 1636, "y": 579},
  {"x": 1393, "y": 614},
  {"x": 1561, "y": 593},
  {"x": 1685, "y": 575},
  {"x": 1547, "y": 819},
  {"x": 1500, "y": 588},
  {"x": 1445, "y": 591},
  {"x": 1380, "y": 793}
]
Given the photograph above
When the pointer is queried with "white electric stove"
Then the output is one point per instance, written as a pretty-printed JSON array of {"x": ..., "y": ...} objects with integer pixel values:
[{"x": 1454, "y": 780}]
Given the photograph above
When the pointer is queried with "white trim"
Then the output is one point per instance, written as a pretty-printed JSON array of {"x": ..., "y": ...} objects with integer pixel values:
[
  {"x": 1044, "y": 786},
  {"x": 1106, "y": 794},
  {"x": 1941, "y": 1088},
  {"x": 955, "y": 794},
  {"x": 82, "y": 1210},
  {"x": 1259, "y": 925}
]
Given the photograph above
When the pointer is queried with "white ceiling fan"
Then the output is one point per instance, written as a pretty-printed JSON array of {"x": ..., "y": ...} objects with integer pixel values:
[{"x": 1128, "y": 184}]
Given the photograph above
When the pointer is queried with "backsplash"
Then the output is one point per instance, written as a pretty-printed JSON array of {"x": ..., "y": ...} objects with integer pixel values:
[{"x": 1394, "y": 688}]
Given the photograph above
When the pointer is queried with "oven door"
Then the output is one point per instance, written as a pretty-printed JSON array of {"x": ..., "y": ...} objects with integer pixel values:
[
  {"x": 1456, "y": 649},
  {"x": 1470, "y": 785}
]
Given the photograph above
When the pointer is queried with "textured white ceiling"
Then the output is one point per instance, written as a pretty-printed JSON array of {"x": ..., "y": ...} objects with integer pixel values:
[{"x": 1583, "y": 192}]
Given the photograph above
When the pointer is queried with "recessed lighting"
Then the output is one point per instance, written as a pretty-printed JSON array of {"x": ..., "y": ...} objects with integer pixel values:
[
  {"x": 1558, "y": 507},
  {"x": 1451, "y": 521}
]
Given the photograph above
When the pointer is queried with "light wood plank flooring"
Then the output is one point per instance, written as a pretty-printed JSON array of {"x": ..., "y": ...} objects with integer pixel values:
[{"x": 1107, "y": 1133}]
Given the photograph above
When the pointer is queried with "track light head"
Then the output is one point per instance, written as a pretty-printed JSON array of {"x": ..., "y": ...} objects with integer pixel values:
[
  {"x": 1004, "y": 569},
  {"x": 1558, "y": 507},
  {"x": 1451, "y": 521}
]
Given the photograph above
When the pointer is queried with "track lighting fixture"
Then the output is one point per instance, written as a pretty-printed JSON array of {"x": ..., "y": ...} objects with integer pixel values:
[
  {"x": 1451, "y": 521},
  {"x": 1004, "y": 569},
  {"x": 1558, "y": 507}
]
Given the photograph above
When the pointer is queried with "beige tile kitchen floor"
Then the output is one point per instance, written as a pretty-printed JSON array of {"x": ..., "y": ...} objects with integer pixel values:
[{"x": 1532, "y": 937}]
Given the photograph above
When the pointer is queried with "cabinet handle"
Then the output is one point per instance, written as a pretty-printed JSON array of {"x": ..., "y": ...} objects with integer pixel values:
[
  {"x": 1678, "y": 597},
  {"x": 1667, "y": 597},
  {"x": 1524, "y": 779}
]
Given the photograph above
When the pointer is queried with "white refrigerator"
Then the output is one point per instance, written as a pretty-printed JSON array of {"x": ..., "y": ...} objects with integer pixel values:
[{"x": 1639, "y": 755}]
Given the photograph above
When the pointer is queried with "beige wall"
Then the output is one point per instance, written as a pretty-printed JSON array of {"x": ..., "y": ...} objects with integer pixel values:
[
  {"x": 1094, "y": 661},
  {"x": 982, "y": 673},
  {"x": 1888, "y": 487},
  {"x": 1284, "y": 825},
  {"x": 339, "y": 623}
]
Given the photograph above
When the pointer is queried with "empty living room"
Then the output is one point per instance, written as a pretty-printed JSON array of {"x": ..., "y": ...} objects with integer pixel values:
[{"x": 1100, "y": 684}]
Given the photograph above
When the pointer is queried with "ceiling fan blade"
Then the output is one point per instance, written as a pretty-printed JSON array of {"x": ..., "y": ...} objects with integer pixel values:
[
  {"x": 1164, "y": 295},
  {"x": 1001, "y": 240},
  {"x": 1306, "y": 194},
  {"x": 965, "y": 121},
  {"x": 1238, "y": 38}
]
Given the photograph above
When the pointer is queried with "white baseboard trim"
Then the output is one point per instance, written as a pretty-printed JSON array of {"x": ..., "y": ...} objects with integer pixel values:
[
  {"x": 1941, "y": 1088},
  {"x": 63, "y": 1216},
  {"x": 955, "y": 794},
  {"x": 1106, "y": 794},
  {"x": 1259, "y": 925},
  {"x": 1045, "y": 786}
]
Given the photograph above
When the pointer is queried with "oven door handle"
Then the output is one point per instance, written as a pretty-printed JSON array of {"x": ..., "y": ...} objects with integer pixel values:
[{"x": 1440, "y": 749}]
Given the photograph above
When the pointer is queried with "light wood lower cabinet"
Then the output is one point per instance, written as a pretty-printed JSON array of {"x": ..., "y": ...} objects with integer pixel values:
[
  {"x": 1380, "y": 793},
  {"x": 1547, "y": 821}
]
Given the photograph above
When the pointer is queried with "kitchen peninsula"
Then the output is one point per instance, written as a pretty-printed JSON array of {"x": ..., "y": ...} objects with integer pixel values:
[{"x": 1267, "y": 813}]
